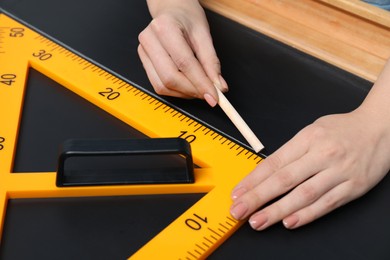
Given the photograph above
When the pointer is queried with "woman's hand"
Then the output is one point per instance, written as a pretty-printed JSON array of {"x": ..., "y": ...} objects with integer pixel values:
[
  {"x": 177, "y": 52},
  {"x": 336, "y": 159}
]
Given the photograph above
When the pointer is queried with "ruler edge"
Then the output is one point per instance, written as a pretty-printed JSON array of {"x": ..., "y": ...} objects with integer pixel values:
[
  {"x": 158, "y": 98},
  {"x": 117, "y": 75}
]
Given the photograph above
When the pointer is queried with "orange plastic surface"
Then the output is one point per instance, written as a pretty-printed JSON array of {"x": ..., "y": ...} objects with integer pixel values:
[{"x": 203, "y": 227}]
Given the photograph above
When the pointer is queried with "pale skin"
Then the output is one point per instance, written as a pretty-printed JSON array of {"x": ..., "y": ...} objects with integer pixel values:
[
  {"x": 332, "y": 161},
  {"x": 177, "y": 52}
]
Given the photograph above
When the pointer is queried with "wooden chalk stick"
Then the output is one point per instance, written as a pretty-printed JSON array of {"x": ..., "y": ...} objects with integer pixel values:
[{"x": 239, "y": 122}]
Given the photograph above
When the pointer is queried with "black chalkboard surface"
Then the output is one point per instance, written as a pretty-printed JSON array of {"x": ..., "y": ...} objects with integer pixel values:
[{"x": 277, "y": 90}]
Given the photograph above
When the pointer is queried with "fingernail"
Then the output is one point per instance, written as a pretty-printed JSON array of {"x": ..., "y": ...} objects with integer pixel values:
[
  {"x": 210, "y": 100},
  {"x": 238, "y": 210},
  {"x": 237, "y": 192},
  {"x": 290, "y": 221},
  {"x": 224, "y": 86},
  {"x": 220, "y": 83},
  {"x": 258, "y": 221}
]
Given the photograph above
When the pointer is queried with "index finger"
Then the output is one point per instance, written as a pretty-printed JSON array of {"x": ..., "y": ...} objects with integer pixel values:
[
  {"x": 179, "y": 48},
  {"x": 286, "y": 154}
]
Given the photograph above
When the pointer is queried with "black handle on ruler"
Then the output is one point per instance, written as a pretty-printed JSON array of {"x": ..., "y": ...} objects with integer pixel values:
[{"x": 124, "y": 161}]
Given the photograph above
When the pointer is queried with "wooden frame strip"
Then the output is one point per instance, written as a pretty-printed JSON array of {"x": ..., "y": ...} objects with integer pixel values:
[{"x": 355, "y": 40}]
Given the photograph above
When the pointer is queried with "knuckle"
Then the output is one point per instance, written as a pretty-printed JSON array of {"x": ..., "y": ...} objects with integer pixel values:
[
  {"x": 140, "y": 49},
  {"x": 308, "y": 215},
  {"x": 308, "y": 193},
  {"x": 254, "y": 200},
  {"x": 316, "y": 132},
  {"x": 160, "y": 89},
  {"x": 285, "y": 179},
  {"x": 168, "y": 81},
  {"x": 274, "y": 162},
  {"x": 159, "y": 24},
  {"x": 183, "y": 63},
  {"x": 211, "y": 62},
  {"x": 332, "y": 202},
  {"x": 334, "y": 150},
  {"x": 141, "y": 36}
]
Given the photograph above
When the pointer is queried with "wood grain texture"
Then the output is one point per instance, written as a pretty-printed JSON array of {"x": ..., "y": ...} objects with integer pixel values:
[{"x": 351, "y": 35}]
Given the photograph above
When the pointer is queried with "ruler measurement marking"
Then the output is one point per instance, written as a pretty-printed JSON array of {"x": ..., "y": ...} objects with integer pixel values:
[
  {"x": 94, "y": 68},
  {"x": 82, "y": 61},
  {"x": 208, "y": 240},
  {"x": 86, "y": 67},
  {"x": 240, "y": 151},
  {"x": 75, "y": 58},
  {"x": 197, "y": 129},
  {"x": 228, "y": 223},
  {"x": 192, "y": 121},
  {"x": 68, "y": 53},
  {"x": 222, "y": 225},
  {"x": 191, "y": 254},
  {"x": 121, "y": 83},
  {"x": 55, "y": 48},
  {"x": 175, "y": 114},
  {"x": 216, "y": 233},
  {"x": 201, "y": 248},
  {"x": 211, "y": 236},
  {"x": 102, "y": 73},
  {"x": 49, "y": 44},
  {"x": 206, "y": 245},
  {"x": 232, "y": 146},
  {"x": 222, "y": 231},
  {"x": 232, "y": 219},
  {"x": 160, "y": 105}
]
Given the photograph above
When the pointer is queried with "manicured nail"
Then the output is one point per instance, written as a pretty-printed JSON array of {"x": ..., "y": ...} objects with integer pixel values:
[
  {"x": 291, "y": 221},
  {"x": 258, "y": 221},
  {"x": 224, "y": 86},
  {"x": 210, "y": 100},
  {"x": 220, "y": 83},
  {"x": 237, "y": 192},
  {"x": 238, "y": 210}
]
